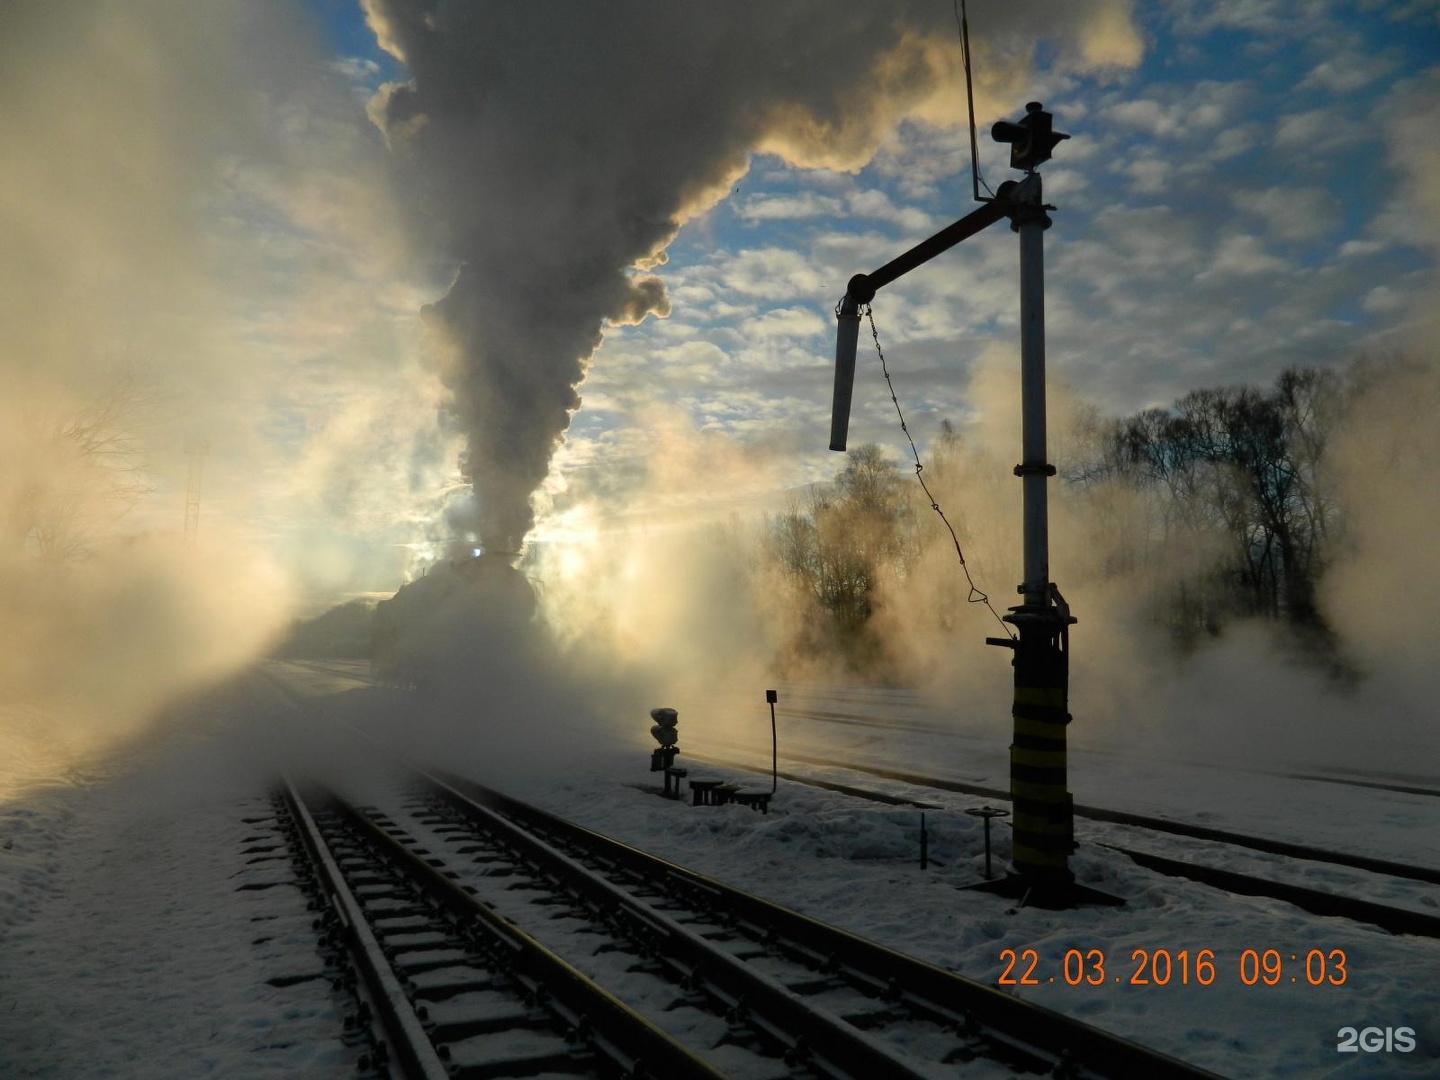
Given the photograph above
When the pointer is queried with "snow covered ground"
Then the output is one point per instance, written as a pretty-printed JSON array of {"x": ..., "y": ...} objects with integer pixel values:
[{"x": 129, "y": 946}]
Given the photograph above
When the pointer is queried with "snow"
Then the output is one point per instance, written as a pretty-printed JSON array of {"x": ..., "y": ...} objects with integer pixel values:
[{"x": 128, "y": 947}]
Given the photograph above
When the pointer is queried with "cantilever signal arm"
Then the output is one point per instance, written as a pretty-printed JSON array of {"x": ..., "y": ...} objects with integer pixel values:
[{"x": 862, "y": 289}]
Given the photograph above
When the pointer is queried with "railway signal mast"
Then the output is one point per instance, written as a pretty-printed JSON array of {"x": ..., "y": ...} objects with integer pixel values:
[{"x": 1042, "y": 804}]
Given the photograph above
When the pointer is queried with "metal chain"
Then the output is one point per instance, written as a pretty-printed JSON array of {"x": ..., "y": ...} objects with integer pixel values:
[{"x": 976, "y": 596}]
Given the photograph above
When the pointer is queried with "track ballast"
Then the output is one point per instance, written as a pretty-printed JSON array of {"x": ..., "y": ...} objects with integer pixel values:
[{"x": 750, "y": 988}]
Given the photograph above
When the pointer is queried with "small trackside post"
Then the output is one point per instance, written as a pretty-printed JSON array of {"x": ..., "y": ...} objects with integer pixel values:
[{"x": 771, "y": 697}]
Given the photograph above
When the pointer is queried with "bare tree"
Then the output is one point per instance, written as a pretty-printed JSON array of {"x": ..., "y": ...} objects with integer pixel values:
[
  {"x": 836, "y": 547},
  {"x": 1246, "y": 466},
  {"x": 76, "y": 471}
]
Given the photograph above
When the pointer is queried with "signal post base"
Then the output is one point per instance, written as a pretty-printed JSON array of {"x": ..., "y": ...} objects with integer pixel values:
[{"x": 1049, "y": 895}]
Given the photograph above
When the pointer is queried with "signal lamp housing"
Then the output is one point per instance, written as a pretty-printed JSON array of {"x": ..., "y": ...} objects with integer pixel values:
[{"x": 1031, "y": 139}]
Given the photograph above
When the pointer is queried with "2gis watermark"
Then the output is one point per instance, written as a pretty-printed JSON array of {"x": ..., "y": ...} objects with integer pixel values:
[{"x": 1374, "y": 1040}]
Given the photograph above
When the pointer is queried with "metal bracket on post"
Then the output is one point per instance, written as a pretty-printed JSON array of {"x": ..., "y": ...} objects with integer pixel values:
[{"x": 862, "y": 288}]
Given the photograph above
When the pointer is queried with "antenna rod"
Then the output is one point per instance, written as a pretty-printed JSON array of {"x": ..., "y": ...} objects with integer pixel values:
[{"x": 970, "y": 103}]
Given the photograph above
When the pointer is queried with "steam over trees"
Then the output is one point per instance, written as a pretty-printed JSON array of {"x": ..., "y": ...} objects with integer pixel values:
[
  {"x": 834, "y": 549},
  {"x": 1224, "y": 507},
  {"x": 72, "y": 471},
  {"x": 1225, "y": 500},
  {"x": 1245, "y": 468}
]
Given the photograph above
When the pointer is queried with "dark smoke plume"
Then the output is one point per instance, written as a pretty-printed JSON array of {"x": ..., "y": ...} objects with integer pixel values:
[{"x": 553, "y": 149}]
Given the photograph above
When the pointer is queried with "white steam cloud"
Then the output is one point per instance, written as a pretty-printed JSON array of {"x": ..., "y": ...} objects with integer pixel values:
[
  {"x": 194, "y": 244},
  {"x": 553, "y": 150}
]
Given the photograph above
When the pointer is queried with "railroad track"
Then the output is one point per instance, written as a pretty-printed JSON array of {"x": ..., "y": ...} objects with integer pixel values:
[
  {"x": 731, "y": 984},
  {"x": 449, "y": 989},
  {"x": 1397, "y": 920},
  {"x": 922, "y": 726}
]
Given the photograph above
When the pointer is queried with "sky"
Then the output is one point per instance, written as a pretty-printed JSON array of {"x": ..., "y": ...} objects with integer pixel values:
[
  {"x": 254, "y": 207},
  {"x": 1243, "y": 198},
  {"x": 374, "y": 255}
]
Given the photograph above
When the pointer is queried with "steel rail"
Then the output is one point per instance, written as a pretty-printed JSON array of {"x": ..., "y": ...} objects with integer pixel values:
[
  {"x": 616, "y": 1030},
  {"x": 848, "y": 719},
  {"x": 824, "y": 1046},
  {"x": 1377, "y": 785},
  {"x": 630, "y": 1043},
  {"x": 1395, "y": 920},
  {"x": 1118, "y": 817},
  {"x": 1026, "y": 1029},
  {"x": 828, "y": 1045},
  {"x": 406, "y": 1034}
]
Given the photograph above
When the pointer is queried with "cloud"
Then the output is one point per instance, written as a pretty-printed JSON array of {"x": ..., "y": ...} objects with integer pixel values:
[
  {"x": 1193, "y": 17},
  {"x": 877, "y": 205},
  {"x": 1148, "y": 115},
  {"x": 1290, "y": 213},
  {"x": 789, "y": 207},
  {"x": 1355, "y": 249},
  {"x": 1412, "y": 106},
  {"x": 1383, "y": 300},
  {"x": 358, "y": 69},
  {"x": 1182, "y": 112},
  {"x": 193, "y": 198},
  {"x": 770, "y": 273},
  {"x": 549, "y": 156},
  {"x": 1316, "y": 132},
  {"x": 1348, "y": 73},
  {"x": 1149, "y": 175},
  {"x": 1111, "y": 39},
  {"x": 788, "y": 322}
]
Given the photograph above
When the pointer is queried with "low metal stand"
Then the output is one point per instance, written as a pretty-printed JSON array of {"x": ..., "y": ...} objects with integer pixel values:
[
  {"x": 1051, "y": 895},
  {"x": 986, "y": 812},
  {"x": 675, "y": 774},
  {"x": 705, "y": 791}
]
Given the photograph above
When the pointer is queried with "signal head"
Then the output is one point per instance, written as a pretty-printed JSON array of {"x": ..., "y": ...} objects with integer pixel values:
[{"x": 1031, "y": 139}]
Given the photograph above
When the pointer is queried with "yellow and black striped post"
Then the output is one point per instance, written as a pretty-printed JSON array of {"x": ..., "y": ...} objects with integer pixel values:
[{"x": 1043, "y": 807}]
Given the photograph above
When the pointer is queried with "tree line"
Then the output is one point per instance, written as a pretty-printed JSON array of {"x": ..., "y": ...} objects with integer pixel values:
[{"x": 1225, "y": 502}]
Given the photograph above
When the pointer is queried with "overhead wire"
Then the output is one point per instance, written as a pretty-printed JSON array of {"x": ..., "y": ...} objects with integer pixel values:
[
  {"x": 962, "y": 25},
  {"x": 976, "y": 596}
]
